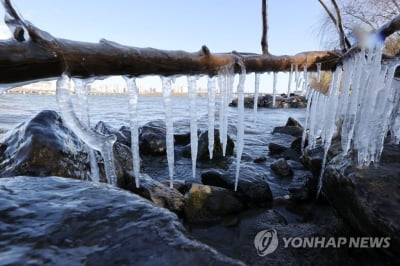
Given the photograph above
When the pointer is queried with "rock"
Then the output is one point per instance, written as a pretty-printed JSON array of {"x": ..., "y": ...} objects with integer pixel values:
[
  {"x": 296, "y": 144},
  {"x": 158, "y": 193},
  {"x": 281, "y": 168},
  {"x": 208, "y": 203},
  {"x": 312, "y": 159},
  {"x": 248, "y": 102},
  {"x": 59, "y": 221},
  {"x": 281, "y": 101},
  {"x": 368, "y": 199},
  {"x": 182, "y": 139},
  {"x": 275, "y": 149},
  {"x": 202, "y": 148},
  {"x": 178, "y": 184},
  {"x": 260, "y": 159},
  {"x": 290, "y": 154},
  {"x": 152, "y": 138},
  {"x": 290, "y": 130},
  {"x": 44, "y": 146},
  {"x": 303, "y": 186},
  {"x": 254, "y": 189},
  {"x": 291, "y": 122}
]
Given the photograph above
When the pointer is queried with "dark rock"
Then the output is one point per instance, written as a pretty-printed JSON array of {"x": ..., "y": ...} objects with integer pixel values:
[
  {"x": 296, "y": 144},
  {"x": 312, "y": 159},
  {"x": 275, "y": 149},
  {"x": 368, "y": 199},
  {"x": 44, "y": 146},
  {"x": 209, "y": 204},
  {"x": 158, "y": 193},
  {"x": 281, "y": 168},
  {"x": 303, "y": 186},
  {"x": 254, "y": 189},
  {"x": 290, "y": 154},
  {"x": 58, "y": 221},
  {"x": 291, "y": 130},
  {"x": 202, "y": 148},
  {"x": 291, "y": 122},
  {"x": 260, "y": 159},
  {"x": 152, "y": 138},
  {"x": 126, "y": 132},
  {"x": 182, "y": 139},
  {"x": 248, "y": 102}
]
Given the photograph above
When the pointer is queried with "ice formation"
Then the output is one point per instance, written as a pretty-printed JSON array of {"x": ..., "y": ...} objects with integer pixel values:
[
  {"x": 193, "y": 121},
  {"x": 225, "y": 83},
  {"x": 275, "y": 79},
  {"x": 211, "y": 115},
  {"x": 81, "y": 91},
  {"x": 305, "y": 76},
  {"x": 134, "y": 125},
  {"x": 102, "y": 143},
  {"x": 167, "y": 89},
  {"x": 240, "y": 122},
  {"x": 256, "y": 91},
  {"x": 290, "y": 81},
  {"x": 362, "y": 106}
]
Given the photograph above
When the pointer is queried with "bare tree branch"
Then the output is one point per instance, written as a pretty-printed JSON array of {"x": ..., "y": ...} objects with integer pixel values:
[
  {"x": 344, "y": 42},
  {"x": 343, "y": 39},
  {"x": 264, "y": 37},
  {"x": 42, "y": 56}
]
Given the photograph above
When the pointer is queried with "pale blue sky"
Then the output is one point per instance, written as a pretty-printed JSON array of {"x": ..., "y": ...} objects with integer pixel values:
[{"x": 222, "y": 25}]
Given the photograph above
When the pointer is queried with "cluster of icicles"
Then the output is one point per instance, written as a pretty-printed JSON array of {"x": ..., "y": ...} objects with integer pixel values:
[
  {"x": 362, "y": 106},
  {"x": 104, "y": 143}
]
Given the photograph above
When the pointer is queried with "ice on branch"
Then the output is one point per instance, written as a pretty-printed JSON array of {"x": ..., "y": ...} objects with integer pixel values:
[{"x": 361, "y": 107}]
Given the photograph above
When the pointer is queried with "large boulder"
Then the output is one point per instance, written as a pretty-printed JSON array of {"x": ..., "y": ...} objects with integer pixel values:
[
  {"x": 294, "y": 131},
  {"x": 209, "y": 203},
  {"x": 59, "y": 221},
  {"x": 368, "y": 199},
  {"x": 44, "y": 146}
]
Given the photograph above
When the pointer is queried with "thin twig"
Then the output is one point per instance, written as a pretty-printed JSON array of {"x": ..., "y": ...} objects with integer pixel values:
[{"x": 264, "y": 40}]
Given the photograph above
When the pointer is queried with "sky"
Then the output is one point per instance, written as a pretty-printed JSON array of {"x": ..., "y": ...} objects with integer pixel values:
[{"x": 222, "y": 25}]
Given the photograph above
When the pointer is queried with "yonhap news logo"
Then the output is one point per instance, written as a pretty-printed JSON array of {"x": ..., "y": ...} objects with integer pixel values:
[{"x": 267, "y": 241}]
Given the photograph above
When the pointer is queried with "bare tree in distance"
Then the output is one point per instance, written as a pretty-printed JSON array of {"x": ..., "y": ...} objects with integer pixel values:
[{"x": 359, "y": 17}]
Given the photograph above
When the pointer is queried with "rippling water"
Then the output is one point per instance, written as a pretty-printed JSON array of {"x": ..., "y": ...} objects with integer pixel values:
[{"x": 16, "y": 108}]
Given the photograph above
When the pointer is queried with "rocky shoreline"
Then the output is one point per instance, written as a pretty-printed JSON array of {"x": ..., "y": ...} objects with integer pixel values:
[{"x": 352, "y": 203}]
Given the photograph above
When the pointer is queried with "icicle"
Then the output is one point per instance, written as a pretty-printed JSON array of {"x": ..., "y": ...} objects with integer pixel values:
[
  {"x": 305, "y": 84},
  {"x": 225, "y": 81},
  {"x": 361, "y": 104},
  {"x": 297, "y": 77},
  {"x": 319, "y": 72},
  {"x": 274, "y": 89},
  {"x": 193, "y": 121},
  {"x": 240, "y": 123},
  {"x": 330, "y": 119},
  {"x": 134, "y": 126},
  {"x": 211, "y": 115},
  {"x": 94, "y": 140},
  {"x": 166, "y": 87},
  {"x": 256, "y": 90},
  {"x": 309, "y": 103},
  {"x": 290, "y": 81},
  {"x": 81, "y": 91}
]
